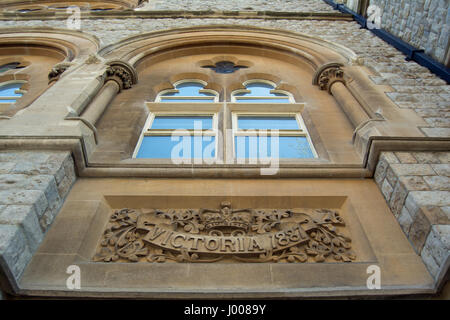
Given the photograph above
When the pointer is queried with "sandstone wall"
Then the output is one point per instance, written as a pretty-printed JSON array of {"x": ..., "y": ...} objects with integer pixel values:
[{"x": 411, "y": 86}]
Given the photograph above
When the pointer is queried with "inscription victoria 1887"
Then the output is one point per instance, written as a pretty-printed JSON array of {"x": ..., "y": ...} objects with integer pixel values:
[{"x": 224, "y": 234}]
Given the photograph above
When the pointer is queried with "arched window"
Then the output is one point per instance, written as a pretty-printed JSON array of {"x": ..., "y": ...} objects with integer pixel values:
[
  {"x": 260, "y": 91},
  {"x": 195, "y": 131},
  {"x": 258, "y": 132},
  {"x": 10, "y": 92},
  {"x": 188, "y": 91},
  {"x": 262, "y": 133},
  {"x": 10, "y": 66}
]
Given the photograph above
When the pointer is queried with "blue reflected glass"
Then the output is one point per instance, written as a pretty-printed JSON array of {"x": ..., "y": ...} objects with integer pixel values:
[
  {"x": 187, "y": 100},
  {"x": 8, "y": 90},
  {"x": 260, "y": 89},
  {"x": 263, "y": 100},
  {"x": 188, "y": 89},
  {"x": 263, "y": 147},
  {"x": 257, "y": 122},
  {"x": 177, "y": 147},
  {"x": 185, "y": 122}
]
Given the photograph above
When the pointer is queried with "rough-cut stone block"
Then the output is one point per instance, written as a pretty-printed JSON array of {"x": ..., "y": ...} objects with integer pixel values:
[
  {"x": 380, "y": 172},
  {"x": 437, "y": 132},
  {"x": 386, "y": 189},
  {"x": 426, "y": 157},
  {"x": 47, "y": 218},
  {"x": 25, "y": 197},
  {"x": 428, "y": 198},
  {"x": 14, "y": 251},
  {"x": 25, "y": 217},
  {"x": 405, "y": 220},
  {"x": 442, "y": 169},
  {"x": 412, "y": 169},
  {"x": 391, "y": 177},
  {"x": 414, "y": 183},
  {"x": 65, "y": 185},
  {"x": 6, "y": 167},
  {"x": 389, "y": 157},
  {"x": 398, "y": 198},
  {"x": 444, "y": 157},
  {"x": 24, "y": 156},
  {"x": 405, "y": 157},
  {"x": 438, "y": 182},
  {"x": 437, "y": 215},
  {"x": 438, "y": 244},
  {"x": 418, "y": 233},
  {"x": 430, "y": 262}
]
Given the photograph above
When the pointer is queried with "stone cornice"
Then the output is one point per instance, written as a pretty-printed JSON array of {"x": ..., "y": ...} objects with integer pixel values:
[{"x": 127, "y": 14}]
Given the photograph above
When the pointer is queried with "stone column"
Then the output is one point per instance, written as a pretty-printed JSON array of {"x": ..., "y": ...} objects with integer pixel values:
[
  {"x": 107, "y": 93},
  {"x": 330, "y": 77},
  {"x": 119, "y": 76},
  {"x": 348, "y": 103}
]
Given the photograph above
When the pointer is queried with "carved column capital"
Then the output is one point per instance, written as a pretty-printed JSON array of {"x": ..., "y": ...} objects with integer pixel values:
[
  {"x": 122, "y": 73},
  {"x": 328, "y": 74}
]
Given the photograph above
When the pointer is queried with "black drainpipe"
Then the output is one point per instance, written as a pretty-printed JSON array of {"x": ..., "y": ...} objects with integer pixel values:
[{"x": 411, "y": 52}]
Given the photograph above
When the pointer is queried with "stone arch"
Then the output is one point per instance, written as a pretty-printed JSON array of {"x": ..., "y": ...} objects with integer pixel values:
[
  {"x": 37, "y": 49},
  {"x": 50, "y": 5}
]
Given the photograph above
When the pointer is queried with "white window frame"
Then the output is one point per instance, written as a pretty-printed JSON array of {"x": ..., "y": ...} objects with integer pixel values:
[
  {"x": 301, "y": 132},
  {"x": 175, "y": 84},
  {"x": 147, "y": 131},
  {"x": 241, "y": 99}
]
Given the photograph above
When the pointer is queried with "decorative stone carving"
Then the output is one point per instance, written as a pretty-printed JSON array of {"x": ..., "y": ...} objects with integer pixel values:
[
  {"x": 330, "y": 76},
  {"x": 58, "y": 70},
  {"x": 122, "y": 73},
  {"x": 225, "y": 67},
  {"x": 224, "y": 234}
]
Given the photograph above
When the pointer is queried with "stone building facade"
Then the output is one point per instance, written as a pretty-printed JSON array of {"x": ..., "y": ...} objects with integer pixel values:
[{"x": 68, "y": 167}]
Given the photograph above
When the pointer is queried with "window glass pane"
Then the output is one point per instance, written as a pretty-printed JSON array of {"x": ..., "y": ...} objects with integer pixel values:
[
  {"x": 8, "y": 66},
  {"x": 257, "y": 122},
  {"x": 177, "y": 147},
  {"x": 188, "y": 89},
  {"x": 186, "y": 122},
  {"x": 260, "y": 89},
  {"x": 262, "y": 100},
  {"x": 263, "y": 147},
  {"x": 186, "y": 100},
  {"x": 8, "y": 90}
]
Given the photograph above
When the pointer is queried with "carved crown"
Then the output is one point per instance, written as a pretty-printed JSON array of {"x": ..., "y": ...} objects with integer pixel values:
[{"x": 225, "y": 217}]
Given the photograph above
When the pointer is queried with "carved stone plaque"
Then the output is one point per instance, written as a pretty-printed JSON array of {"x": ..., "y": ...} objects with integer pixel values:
[{"x": 225, "y": 234}]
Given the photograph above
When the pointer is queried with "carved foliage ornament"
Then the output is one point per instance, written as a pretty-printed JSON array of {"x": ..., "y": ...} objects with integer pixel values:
[
  {"x": 224, "y": 234},
  {"x": 330, "y": 76},
  {"x": 122, "y": 76}
]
